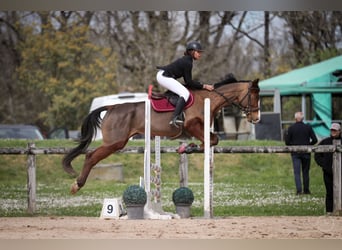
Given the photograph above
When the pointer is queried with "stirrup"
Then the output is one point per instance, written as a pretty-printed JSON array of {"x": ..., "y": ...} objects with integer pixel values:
[{"x": 176, "y": 122}]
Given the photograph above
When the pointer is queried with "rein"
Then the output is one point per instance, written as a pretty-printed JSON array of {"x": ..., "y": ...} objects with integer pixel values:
[{"x": 246, "y": 109}]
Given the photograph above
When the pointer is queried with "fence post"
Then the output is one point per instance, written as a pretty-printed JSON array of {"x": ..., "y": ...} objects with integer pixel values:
[
  {"x": 337, "y": 209},
  {"x": 183, "y": 168},
  {"x": 31, "y": 179}
]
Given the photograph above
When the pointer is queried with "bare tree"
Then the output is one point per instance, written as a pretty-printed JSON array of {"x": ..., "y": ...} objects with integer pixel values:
[
  {"x": 9, "y": 60},
  {"x": 145, "y": 40},
  {"x": 244, "y": 43},
  {"x": 267, "y": 66},
  {"x": 313, "y": 32},
  {"x": 138, "y": 38}
]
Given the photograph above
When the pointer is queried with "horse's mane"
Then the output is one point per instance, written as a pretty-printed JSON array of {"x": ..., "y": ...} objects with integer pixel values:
[
  {"x": 230, "y": 78},
  {"x": 219, "y": 84}
]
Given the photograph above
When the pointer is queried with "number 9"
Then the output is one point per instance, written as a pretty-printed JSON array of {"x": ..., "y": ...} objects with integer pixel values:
[{"x": 110, "y": 209}]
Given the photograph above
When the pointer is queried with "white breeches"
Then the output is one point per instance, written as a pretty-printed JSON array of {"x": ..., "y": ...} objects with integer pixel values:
[{"x": 173, "y": 85}]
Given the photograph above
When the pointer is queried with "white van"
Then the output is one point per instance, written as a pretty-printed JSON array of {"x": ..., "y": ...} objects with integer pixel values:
[{"x": 115, "y": 99}]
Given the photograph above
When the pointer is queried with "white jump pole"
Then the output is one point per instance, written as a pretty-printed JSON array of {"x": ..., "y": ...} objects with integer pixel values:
[
  {"x": 151, "y": 210},
  {"x": 208, "y": 164},
  {"x": 157, "y": 157},
  {"x": 147, "y": 152}
]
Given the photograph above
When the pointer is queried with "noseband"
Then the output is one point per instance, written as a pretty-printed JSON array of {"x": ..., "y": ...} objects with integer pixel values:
[{"x": 246, "y": 109}]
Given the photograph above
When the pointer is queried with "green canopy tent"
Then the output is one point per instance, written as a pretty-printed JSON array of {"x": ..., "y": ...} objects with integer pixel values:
[{"x": 319, "y": 80}]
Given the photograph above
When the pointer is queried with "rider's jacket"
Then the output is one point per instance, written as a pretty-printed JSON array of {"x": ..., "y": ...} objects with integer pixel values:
[{"x": 182, "y": 67}]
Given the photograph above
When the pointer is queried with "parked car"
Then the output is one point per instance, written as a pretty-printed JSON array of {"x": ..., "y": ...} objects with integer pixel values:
[
  {"x": 64, "y": 133},
  {"x": 20, "y": 131}
]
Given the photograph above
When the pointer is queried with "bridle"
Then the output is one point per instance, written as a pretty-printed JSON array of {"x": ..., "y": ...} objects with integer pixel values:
[{"x": 246, "y": 109}]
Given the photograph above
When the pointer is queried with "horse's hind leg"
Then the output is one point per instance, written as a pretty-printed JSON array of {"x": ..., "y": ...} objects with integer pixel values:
[{"x": 91, "y": 159}]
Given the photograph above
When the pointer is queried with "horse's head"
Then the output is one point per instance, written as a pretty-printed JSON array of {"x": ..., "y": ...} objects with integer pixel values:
[
  {"x": 251, "y": 104},
  {"x": 244, "y": 95}
]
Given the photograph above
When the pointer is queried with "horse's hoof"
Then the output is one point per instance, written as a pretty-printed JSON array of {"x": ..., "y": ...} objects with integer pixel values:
[
  {"x": 188, "y": 149},
  {"x": 181, "y": 149},
  {"x": 192, "y": 148},
  {"x": 74, "y": 188}
]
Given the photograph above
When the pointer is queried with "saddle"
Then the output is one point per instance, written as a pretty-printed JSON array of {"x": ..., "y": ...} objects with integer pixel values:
[{"x": 166, "y": 102}]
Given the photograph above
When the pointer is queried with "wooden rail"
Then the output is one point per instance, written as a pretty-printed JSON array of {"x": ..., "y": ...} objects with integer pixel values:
[
  {"x": 31, "y": 151},
  {"x": 217, "y": 149}
]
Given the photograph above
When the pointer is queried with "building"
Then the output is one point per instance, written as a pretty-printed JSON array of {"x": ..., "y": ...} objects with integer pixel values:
[{"x": 319, "y": 88}]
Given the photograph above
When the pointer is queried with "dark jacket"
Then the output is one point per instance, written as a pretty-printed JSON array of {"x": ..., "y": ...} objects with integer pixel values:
[
  {"x": 182, "y": 67},
  {"x": 325, "y": 160},
  {"x": 300, "y": 134}
]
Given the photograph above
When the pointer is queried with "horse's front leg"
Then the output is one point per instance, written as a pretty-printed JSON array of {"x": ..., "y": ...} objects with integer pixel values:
[
  {"x": 196, "y": 129},
  {"x": 213, "y": 141}
]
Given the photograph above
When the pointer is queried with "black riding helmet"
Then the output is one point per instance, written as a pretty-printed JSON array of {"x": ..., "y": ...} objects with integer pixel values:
[{"x": 194, "y": 46}]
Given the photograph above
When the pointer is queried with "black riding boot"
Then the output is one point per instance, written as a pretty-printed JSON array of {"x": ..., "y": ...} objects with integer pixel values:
[{"x": 177, "y": 118}]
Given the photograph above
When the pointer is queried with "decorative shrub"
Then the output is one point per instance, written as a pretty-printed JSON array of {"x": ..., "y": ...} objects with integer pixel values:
[
  {"x": 183, "y": 195},
  {"x": 134, "y": 195}
]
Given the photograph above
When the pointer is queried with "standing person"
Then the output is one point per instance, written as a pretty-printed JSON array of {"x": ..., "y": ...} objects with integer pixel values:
[
  {"x": 325, "y": 161},
  {"x": 301, "y": 134},
  {"x": 182, "y": 67}
]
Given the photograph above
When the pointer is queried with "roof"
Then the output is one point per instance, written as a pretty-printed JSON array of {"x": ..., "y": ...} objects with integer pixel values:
[
  {"x": 118, "y": 99},
  {"x": 316, "y": 78}
]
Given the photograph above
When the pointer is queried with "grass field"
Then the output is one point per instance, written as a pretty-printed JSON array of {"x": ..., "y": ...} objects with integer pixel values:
[{"x": 244, "y": 184}]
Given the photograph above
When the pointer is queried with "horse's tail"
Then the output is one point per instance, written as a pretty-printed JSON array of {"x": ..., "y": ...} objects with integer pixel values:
[{"x": 88, "y": 131}]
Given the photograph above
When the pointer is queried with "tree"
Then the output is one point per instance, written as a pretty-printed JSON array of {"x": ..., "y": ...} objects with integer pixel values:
[
  {"x": 52, "y": 63},
  {"x": 314, "y": 35},
  {"x": 10, "y": 94},
  {"x": 146, "y": 39},
  {"x": 65, "y": 71}
]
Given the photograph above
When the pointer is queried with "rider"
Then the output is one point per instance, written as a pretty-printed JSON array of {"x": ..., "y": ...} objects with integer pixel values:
[{"x": 182, "y": 67}]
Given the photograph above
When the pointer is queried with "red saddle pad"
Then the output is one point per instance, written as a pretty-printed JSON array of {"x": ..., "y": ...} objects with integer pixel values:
[{"x": 163, "y": 105}]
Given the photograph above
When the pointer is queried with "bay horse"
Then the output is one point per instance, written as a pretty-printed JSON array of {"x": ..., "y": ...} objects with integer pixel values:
[{"x": 123, "y": 121}]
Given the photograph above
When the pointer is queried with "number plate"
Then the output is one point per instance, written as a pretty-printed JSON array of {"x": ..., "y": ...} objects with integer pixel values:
[{"x": 112, "y": 208}]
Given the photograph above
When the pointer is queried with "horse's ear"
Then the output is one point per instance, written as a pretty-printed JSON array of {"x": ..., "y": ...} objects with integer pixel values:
[{"x": 255, "y": 82}]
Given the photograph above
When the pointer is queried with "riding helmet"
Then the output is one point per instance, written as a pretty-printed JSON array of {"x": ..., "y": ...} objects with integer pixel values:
[{"x": 194, "y": 46}]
